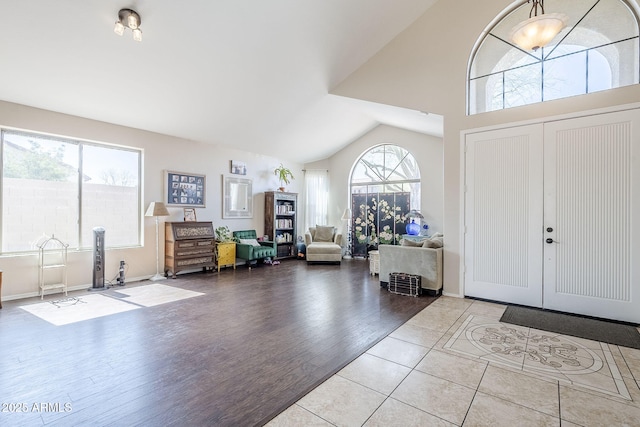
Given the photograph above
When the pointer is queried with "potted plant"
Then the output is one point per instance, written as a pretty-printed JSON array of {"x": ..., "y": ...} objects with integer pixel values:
[
  {"x": 223, "y": 235},
  {"x": 284, "y": 175}
]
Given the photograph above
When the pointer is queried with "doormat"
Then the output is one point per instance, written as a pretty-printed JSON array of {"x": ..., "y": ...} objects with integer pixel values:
[{"x": 573, "y": 325}]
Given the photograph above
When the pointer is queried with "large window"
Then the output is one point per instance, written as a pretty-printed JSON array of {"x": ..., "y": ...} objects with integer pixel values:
[
  {"x": 598, "y": 50},
  {"x": 385, "y": 186},
  {"x": 65, "y": 188}
]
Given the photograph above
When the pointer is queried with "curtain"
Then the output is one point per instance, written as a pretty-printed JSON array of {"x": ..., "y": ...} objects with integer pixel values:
[{"x": 316, "y": 183}]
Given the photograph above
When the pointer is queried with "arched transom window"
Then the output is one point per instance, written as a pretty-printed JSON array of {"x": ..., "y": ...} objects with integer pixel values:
[
  {"x": 597, "y": 50},
  {"x": 385, "y": 186}
]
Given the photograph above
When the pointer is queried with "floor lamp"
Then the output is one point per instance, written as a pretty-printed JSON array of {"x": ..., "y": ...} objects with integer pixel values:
[
  {"x": 157, "y": 209},
  {"x": 346, "y": 216}
]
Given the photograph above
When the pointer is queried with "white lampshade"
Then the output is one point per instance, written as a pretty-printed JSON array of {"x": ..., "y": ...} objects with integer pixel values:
[
  {"x": 538, "y": 31},
  {"x": 137, "y": 35},
  {"x": 119, "y": 28},
  {"x": 346, "y": 215},
  {"x": 157, "y": 209}
]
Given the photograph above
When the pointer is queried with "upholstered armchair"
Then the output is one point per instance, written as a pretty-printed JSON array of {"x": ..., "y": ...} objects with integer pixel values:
[
  {"x": 249, "y": 249},
  {"x": 324, "y": 244}
]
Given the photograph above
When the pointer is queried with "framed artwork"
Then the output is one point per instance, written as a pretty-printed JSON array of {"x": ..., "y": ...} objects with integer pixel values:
[
  {"x": 189, "y": 215},
  {"x": 185, "y": 189},
  {"x": 238, "y": 168}
]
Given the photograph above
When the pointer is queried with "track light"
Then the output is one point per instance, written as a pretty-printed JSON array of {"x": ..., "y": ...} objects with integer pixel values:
[{"x": 131, "y": 19}]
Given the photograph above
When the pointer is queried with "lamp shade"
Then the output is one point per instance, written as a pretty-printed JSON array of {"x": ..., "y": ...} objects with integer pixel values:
[
  {"x": 538, "y": 31},
  {"x": 413, "y": 213},
  {"x": 157, "y": 209},
  {"x": 346, "y": 215}
]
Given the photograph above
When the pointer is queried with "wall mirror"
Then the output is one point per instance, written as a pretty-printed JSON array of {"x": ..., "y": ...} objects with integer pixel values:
[{"x": 237, "y": 200}]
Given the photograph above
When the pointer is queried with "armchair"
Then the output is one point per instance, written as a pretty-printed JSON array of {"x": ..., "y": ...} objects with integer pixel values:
[
  {"x": 249, "y": 249},
  {"x": 324, "y": 244}
]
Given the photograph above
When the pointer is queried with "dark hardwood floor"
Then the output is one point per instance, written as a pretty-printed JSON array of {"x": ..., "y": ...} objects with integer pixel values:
[{"x": 256, "y": 342}]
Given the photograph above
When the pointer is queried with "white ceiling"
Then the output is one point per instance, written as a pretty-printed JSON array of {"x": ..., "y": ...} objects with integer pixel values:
[{"x": 251, "y": 74}]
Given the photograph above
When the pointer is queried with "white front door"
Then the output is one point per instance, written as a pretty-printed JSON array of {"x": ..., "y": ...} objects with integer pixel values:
[
  {"x": 591, "y": 216},
  {"x": 503, "y": 215}
]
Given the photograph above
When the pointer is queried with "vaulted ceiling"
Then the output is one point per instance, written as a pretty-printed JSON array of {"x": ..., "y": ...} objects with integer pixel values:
[{"x": 252, "y": 74}]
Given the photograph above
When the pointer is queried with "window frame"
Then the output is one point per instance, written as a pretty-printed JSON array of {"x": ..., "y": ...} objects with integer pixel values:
[{"x": 80, "y": 143}]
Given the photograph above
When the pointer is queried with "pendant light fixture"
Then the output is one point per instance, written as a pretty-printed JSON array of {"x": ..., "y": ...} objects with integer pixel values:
[
  {"x": 128, "y": 18},
  {"x": 538, "y": 30}
]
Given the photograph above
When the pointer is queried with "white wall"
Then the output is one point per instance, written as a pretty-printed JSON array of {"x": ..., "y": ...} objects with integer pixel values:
[
  {"x": 161, "y": 152},
  {"x": 425, "y": 148},
  {"x": 424, "y": 68}
]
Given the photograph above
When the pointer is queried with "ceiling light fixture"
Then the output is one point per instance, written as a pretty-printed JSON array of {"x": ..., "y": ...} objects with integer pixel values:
[
  {"x": 131, "y": 19},
  {"x": 537, "y": 31}
]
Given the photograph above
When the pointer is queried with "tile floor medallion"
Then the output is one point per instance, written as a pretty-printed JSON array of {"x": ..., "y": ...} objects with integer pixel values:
[{"x": 577, "y": 361}]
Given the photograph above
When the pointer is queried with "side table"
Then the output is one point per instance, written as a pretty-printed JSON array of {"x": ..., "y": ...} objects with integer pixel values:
[
  {"x": 374, "y": 262},
  {"x": 225, "y": 254}
]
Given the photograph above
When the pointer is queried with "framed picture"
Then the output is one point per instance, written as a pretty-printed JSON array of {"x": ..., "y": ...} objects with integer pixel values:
[
  {"x": 189, "y": 215},
  {"x": 238, "y": 168},
  {"x": 185, "y": 189}
]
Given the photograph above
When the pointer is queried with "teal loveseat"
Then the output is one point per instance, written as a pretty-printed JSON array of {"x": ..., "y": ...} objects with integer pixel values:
[{"x": 250, "y": 250}]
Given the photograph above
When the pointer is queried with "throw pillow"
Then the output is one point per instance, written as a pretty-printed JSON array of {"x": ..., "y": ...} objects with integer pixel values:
[
  {"x": 323, "y": 234},
  {"x": 434, "y": 242},
  {"x": 412, "y": 243},
  {"x": 252, "y": 242}
]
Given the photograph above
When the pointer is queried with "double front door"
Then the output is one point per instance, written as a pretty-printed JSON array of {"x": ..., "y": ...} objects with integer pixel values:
[{"x": 552, "y": 215}]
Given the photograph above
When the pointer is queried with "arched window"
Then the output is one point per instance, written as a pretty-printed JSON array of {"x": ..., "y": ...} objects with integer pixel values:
[
  {"x": 385, "y": 186},
  {"x": 597, "y": 50}
]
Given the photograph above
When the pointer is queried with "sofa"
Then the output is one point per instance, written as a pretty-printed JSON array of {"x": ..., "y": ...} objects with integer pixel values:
[
  {"x": 324, "y": 244},
  {"x": 422, "y": 261}
]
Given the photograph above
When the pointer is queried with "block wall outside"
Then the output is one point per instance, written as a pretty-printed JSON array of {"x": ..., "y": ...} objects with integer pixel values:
[{"x": 33, "y": 208}]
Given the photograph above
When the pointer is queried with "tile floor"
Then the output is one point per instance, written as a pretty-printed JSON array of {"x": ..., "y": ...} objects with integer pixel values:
[{"x": 454, "y": 364}]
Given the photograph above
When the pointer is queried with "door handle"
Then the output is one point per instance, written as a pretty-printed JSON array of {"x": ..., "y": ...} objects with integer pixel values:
[{"x": 550, "y": 240}]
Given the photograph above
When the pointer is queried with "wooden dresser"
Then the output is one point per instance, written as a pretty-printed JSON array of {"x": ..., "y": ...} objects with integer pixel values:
[{"x": 188, "y": 245}]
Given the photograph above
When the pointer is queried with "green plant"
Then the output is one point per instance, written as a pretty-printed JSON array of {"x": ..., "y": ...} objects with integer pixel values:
[
  {"x": 223, "y": 234},
  {"x": 284, "y": 174}
]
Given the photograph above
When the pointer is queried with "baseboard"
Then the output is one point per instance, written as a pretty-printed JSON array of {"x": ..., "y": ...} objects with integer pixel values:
[{"x": 69, "y": 289}]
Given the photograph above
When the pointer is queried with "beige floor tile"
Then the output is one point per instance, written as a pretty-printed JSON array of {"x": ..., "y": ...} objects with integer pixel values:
[
  {"x": 443, "y": 310},
  {"x": 452, "y": 302},
  {"x": 296, "y": 416},
  {"x": 438, "y": 323},
  {"x": 399, "y": 351},
  {"x": 490, "y": 411},
  {"x": 521, "y": 389},
  {"x": 417, "y": 335},
  {"x": 449, "y": 367},
  {"x": 588, "y": 409},
  {"x": 342, "y": 402},
  {"x": 444, "y": 399},
  {"x": 630, "y": 353},
  {"x": 443, "y": 340},
  {"x": 486, "y": 309},
  {"x": 378, "y": 374},
  {"x": 621, "y": 362},
  {"x": 395, "y": 413},
  {"x": 632, "y": 361}
]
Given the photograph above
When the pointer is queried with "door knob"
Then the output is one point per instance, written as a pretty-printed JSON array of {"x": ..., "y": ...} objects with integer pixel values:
[
  {"x": 549, "y": 240},
  {"x": 549, "y": 229}
]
